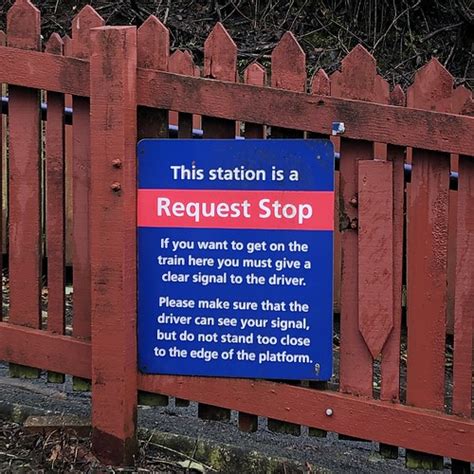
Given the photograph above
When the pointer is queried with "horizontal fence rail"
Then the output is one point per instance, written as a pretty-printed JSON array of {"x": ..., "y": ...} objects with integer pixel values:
[
  {"x": 198, "y": 133},
  {"x": 274, "y": 107}
]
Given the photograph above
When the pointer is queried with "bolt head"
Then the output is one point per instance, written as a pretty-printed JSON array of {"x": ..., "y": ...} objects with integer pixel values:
[
  {"x": 116, "y": 186},
  {"x": 329, "y": 412}
]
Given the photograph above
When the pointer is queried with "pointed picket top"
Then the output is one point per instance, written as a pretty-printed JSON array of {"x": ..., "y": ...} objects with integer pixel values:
[
  {"x": 397, "y": 96},
  {"x": 320, "y": 83},
  {"x": 24, "y": 26},
  {"x": 67, "y": 45},
  {"x": 153, "y": 44},
  {"x": 55, "y": 44},
  {"x": 82, "y": 23},
  {"x": 468, "y": 108},
  {"x": 255, "y": 74},
  {"x": 220, "y": 55},
  {"x": 358, "y": 78},
  {"x": 432, "y": 88},
  {"x": 289, "y": 64},
  {"x": 462, "y": 101},
  {"x": 181, "y": 62}
]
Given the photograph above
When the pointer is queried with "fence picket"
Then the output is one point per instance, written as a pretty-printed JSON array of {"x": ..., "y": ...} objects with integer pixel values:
[
  {"x": 427, "y": 253},
  {"x": 3, "y": 188},
  {"x": 357, "y": 79},
  {"x": 220, "y": 62},
  {"x": 113, "y": 207},
  {"x": 321, "y": 85},
  {"x": 55, "y": 200},
  {"x": 256, "y": 75},
  {"x": 23, "y": 31},
  {"x": 82, "y": 23},
  {"x": 68, "y": 166},
  {"x": 181, "y": 62},
  {"x": 375, "y": 233},
  {"x": 390, "y": 363},
  {"x": 464, "y": 302},
  {"x": 153, "y": 53},
  {"x": 288, "y": 72},
  {"x": 55, "y": 210}
]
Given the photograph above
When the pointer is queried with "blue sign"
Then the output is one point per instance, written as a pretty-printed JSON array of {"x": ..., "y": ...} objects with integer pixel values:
[{"x": 235, "y": 258}]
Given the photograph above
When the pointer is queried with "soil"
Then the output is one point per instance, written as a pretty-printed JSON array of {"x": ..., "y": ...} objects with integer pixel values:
[{"x": 60, "y": 451}]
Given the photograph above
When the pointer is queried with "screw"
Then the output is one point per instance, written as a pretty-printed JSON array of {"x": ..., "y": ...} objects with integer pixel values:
[
  {"x": 354, "y": 223},
  {"x": 338, "y": 128},
  {"x": 116, "y": 186},
  {"x": 329, "y": 412},
  {"x": 117, "y": 163},
  {"x": 354, "y": 202},
  {"x": 317, "y": 368}
]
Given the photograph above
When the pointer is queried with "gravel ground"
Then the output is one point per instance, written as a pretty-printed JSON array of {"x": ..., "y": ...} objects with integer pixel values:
[{"x": 327, "y": 453}]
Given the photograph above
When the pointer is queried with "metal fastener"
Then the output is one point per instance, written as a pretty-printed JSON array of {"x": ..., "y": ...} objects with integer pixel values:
[
  {"x": 354, "y": 202},
  {"x": 116, "y": 186},
  {"x": 329, "y": 412},
  {"x": 117, "y": 163},
  {"x": 338, "y": 128}
]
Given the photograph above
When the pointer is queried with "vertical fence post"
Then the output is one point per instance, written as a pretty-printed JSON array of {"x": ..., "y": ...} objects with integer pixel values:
[{"x": 112, "y": 240}]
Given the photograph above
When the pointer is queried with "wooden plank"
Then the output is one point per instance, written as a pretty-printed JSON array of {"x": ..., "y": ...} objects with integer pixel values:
[
  {"x": 427, "y": 255},
  {"x": 220, "y": 62},
  {"x": 68, "y": 166},
  {"x": 356, "y": 371},
  {"x": 382, "y": 123},
  {"x": 432, "y": 89},
  {"x": 153, "y": 53},
  {"x": 464, "y": 297},
  {"x": 274, "y": 107},
  {"x": 253, "y": 74},
  {"x": 390, "y": 363},
  {"x": 357, "y": 79},
  {"x": 288, "y": 71},
  {"x": 45, "y": 350},
  {"x": 427, "y": 247},
  {"x": 82, "y": 23},
  {"x": 55, "y": 208},
  {"x": 181, "y": 62},
  {"x": 427, "y": 241},
  {"x": 55, "y": 212},
  {"x": 113, "y": 243},
  {"x": 23, "y": 31},
  {"x": 3, "y": 188},
  {"x": 375, "y": 259},
  {"x": 391, "y": 423},
  {"x": 321, "y": 85}
]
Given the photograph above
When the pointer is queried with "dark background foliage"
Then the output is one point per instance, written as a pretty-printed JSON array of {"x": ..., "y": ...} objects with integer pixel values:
[{"x": 403, "y": 35}]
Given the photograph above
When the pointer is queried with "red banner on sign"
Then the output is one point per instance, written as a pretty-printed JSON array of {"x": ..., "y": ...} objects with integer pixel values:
[{"x": 283, "y": 210}]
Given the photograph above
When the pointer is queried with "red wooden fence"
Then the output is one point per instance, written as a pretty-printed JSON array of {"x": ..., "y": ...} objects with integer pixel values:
[{"x": 123, "y": 86}]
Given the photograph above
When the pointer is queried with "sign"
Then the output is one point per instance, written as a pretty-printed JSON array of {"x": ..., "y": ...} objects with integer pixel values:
[{"x": 235, "y": 258}]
